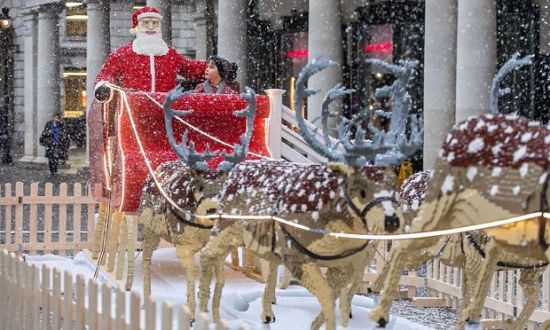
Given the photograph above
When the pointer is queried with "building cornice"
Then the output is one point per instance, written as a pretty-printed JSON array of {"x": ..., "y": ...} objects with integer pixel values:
[{"x": 36, "y": 3}]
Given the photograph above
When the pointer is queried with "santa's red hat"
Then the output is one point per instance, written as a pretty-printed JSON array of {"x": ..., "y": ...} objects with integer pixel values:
[{"x": 144, "y": 12}]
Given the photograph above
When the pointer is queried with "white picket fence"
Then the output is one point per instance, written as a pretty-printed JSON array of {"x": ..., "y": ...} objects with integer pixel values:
[
  {"x": 32, "y": 222},
  {"x": 47, "y": 298},
  {"x": 64, "y": 224}
]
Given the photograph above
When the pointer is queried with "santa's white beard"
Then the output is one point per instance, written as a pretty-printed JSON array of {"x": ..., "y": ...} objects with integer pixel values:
[{"x": 149, "y": 44}]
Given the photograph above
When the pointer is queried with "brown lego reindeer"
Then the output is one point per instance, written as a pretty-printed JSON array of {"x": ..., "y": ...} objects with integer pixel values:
[
  {"x": 491, "y": 167},
  {"x": 464, "y": 250},
  {"x": 347, "y": 196},
  {"x": 179, "y": 191}
]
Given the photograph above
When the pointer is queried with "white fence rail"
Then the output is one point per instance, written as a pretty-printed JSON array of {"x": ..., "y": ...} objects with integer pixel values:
[
  {"x": 47, "y": 298},
  {"x": 284, "y": 140},
  {"x": 35, "y": 219}
]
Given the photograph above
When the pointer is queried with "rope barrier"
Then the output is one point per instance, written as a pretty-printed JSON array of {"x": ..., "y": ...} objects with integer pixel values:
[{"x": 387, "y": 237}]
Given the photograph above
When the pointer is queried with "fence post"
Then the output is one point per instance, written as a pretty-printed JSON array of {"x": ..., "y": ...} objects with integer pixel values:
[{"x": 275, "y": 120}]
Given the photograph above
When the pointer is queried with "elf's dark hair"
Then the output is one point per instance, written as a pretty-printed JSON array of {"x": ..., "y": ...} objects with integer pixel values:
[{"x": 226, "y": 69}]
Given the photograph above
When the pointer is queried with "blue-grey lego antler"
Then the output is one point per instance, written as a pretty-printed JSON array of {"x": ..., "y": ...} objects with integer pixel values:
[
  {"x": 399, "y": 145},
  {"x": 385, "y": 148},
  {"x": 331, "y": 96},
  {"x": 240, "y": 151},
  {"x": 353, "y": 153},
  {"x": 312, "y": 68},
  {"x": 512, "y": 64},
  {"x": 186, "y": 153}
]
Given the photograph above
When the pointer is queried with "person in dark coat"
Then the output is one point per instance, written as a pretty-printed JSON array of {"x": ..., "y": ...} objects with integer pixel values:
[{"x": 54, "y": 138}]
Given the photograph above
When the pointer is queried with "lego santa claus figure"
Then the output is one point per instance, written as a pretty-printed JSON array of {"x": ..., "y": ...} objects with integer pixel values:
[{"x": 147, "y": 63}]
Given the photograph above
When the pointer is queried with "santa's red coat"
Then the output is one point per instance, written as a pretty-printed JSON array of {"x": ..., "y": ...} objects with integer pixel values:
[{"x": 130, "y": 70}]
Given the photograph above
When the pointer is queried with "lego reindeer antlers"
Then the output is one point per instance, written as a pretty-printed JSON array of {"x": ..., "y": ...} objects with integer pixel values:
[
  {"x": 512, "y": 64},
  {"x": 240, "y": 151},
  {"x": 186, "y": 151},
  {"x": 385, "y": 148}
]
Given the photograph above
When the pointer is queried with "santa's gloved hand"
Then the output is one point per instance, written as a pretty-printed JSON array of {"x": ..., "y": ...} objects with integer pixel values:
[{"x": 102, "y": 93}]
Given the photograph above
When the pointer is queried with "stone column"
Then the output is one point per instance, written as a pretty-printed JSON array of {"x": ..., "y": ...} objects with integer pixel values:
[
  {"x": 165, "y": 7},
  {"x": 98, "y": 46},
  {"x": 98, "y": 42},
  {"x": 48, "y": 80},
  {"x": 476, "y": 56},
  {"x": 201, "y": 41},
  {"x": 324, "y": 40},
  {"x": 439, "y": 75},
  {"x": 544, "y": 33},
  {"x": 30, "y": 71},
  {"x": 232, "y": 34}
]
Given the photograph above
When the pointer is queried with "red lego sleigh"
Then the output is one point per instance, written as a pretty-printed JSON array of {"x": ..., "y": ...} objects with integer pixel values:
[{"x": 127, "y": 137}]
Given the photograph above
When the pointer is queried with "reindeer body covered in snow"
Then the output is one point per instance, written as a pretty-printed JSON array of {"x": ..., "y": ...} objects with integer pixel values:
[
  {"x": 491, "y": 167},
  {"x": 179, "y": 191},
  {"x": 463, "y": 250},
  {"x": 346, "y": 196}
]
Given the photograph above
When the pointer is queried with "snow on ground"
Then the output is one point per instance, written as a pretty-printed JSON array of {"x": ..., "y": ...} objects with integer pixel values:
[{"x": 241, "y": 298}]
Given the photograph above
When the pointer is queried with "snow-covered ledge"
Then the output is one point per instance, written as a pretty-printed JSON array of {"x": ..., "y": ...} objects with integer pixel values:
[{"x": 275, "y": 120}]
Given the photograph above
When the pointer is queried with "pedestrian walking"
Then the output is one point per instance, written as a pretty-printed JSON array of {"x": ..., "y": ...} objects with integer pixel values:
[{"x": 53, "y": 137}]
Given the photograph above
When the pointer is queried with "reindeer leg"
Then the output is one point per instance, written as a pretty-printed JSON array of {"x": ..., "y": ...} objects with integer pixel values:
[
  {"x": 358, "y": 271},
  {"x": 150, "y": 243},
  {"x": 529, "y": 281},
  {"x": 408, "y": 250},
  {"x": 471, "y": 268},
  {"x": 339, "y": 278},
  {"x": 285, "y": 279},
  {"x": 269, "y": 294},
  {"x": 212, "y": 255},
  {"x": 185, "y": 253},
  {"x": 218, "y": 268},
  {"x": 472, "y": 311},
  {"x": 310, "y": 276}
]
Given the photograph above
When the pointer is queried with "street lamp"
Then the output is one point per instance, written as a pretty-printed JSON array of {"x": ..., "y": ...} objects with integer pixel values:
[{"x": 6, "y": 46}]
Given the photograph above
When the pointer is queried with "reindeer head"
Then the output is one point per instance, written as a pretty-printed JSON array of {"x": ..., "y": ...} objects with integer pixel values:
[
  {"x": 366, "y": 197},
  {"x": 368, "y": 194}
]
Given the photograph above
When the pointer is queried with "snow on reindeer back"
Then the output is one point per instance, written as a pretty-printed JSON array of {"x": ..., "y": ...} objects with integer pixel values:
[
  {"x": 179, "y": 182},
  {"x": 497, "y": 141},
  {"x": 503, "y": 157},
  {"x": 274, "y": 187}
]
